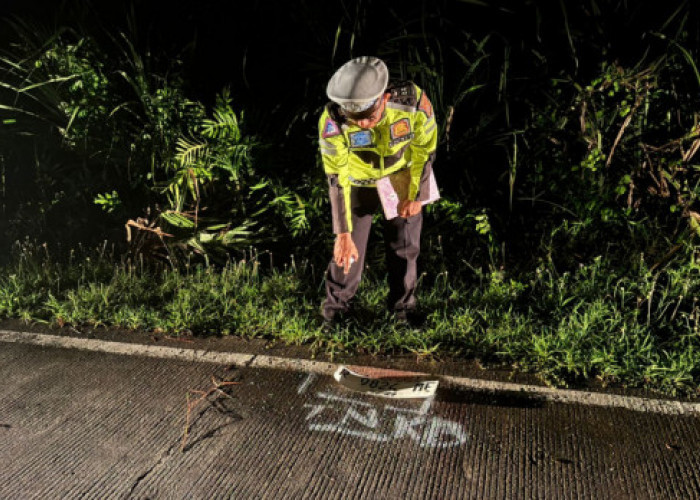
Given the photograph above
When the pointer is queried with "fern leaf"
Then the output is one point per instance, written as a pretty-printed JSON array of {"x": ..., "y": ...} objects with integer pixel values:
[
  {"x": 190, "y": 152},
  {"x": 223, "y": 125}
]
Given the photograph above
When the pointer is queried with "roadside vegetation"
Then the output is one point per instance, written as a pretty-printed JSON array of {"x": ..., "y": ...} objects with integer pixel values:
[
  {"x": 636, "y": 329},
  {"x": 564, "y": 243}
]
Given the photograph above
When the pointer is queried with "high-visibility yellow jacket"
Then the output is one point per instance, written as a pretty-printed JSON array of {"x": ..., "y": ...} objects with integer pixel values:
[{"x": 405, "y": 137}]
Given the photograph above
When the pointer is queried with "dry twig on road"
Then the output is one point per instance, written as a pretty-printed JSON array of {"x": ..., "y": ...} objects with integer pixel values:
[{"x": 203, "y": 396}]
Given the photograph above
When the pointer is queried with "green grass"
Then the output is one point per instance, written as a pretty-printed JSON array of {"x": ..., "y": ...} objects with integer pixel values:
[{"x": 637, "y": 329}]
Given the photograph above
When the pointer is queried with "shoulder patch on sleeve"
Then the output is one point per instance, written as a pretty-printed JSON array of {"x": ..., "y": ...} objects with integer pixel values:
[
  {"x": 425, "y": 106},
  {"x": 330, "y": 128}
]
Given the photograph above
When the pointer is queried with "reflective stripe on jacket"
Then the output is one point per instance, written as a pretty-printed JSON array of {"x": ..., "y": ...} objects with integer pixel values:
[{"x": 405, "y": 137}]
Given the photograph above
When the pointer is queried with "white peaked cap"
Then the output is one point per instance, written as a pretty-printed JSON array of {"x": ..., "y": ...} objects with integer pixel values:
[{"x": 358, "y": 83}]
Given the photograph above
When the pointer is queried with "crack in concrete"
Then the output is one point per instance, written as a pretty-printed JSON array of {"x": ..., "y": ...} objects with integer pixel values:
[
  {"x": 250, "y": 362},
  {"x": 161, "y": 460},
  {"x": 164, "y": 456}
]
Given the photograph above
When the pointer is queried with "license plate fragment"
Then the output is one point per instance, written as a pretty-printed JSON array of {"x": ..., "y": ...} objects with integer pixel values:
[{"x": 387, "y": 387}]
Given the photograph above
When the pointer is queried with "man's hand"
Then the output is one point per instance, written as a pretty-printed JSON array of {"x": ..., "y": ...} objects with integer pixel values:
[
  {"x": 344, "y": 250},
  {"x": 408, "y": 208}
]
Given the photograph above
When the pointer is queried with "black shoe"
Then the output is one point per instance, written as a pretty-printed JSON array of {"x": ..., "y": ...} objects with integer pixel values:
[
  {"x": 409, "y": 318},
  {"x": 327, "y": 325},
  {"x": 333, "y": 318}
]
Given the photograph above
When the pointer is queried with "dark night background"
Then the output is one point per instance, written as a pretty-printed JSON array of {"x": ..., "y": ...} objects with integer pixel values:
[
  {"x": 276, "y": 57},
  {"x": 274, "y": 52}
]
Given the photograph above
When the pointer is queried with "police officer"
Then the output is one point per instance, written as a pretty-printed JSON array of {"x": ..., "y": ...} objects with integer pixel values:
[{"x": 372, "y": 129}]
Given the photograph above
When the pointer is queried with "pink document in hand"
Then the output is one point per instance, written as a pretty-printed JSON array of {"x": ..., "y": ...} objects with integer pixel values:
[{"x": 394, "y": 188}]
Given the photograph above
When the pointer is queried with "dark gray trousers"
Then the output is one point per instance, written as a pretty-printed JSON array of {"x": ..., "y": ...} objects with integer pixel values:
[{"x": 402, "y": 246}]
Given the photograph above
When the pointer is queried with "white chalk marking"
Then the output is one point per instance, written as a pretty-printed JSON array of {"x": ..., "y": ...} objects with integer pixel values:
[
  {"x": 315, "y": 410},
  {"x": 333, "y": 397},
  {"x": 310, "y": 378},
  {"x": 423, "y": 410},
  {"x": 361, "y": 419}
]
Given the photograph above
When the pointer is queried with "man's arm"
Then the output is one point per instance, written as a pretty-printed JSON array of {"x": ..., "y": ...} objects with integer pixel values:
[
  {"x": 423, "y": 145},
  {"x": 334, "y": 153},
  {"x": 423, "y": 148}
]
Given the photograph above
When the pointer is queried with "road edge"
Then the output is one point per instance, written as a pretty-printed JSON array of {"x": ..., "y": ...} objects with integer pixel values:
[{"x": 585, "y": 398}]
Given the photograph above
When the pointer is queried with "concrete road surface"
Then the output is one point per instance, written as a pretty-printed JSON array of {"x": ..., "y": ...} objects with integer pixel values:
[{"x": 85, "y": 424}]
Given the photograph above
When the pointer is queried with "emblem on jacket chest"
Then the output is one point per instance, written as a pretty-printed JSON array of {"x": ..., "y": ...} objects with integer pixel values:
[
  {"x": 361, "y": 139},
  {"x": 400, "y": 131}
]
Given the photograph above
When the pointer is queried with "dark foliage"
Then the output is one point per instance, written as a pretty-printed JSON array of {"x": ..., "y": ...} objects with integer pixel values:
[{"x": 565, "y": 128}]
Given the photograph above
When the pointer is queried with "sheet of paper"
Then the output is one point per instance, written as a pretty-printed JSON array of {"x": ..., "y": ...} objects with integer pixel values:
[{"x": 394, "y": 188}]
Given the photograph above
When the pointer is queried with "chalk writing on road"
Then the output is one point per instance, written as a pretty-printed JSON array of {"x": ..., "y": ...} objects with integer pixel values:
[{"x": 351, "y": 417}]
